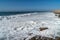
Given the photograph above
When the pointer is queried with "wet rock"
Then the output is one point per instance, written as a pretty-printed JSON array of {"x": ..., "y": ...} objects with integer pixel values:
[
  {"x": 36, "y": 38},
  {"x": 30, "y": 33},
  {"x": 46, "y": 38},
  {"x": 24, "y": 38},
  {"x": 15, "y": 28},
  {"x": 56, "y": 15},
  {"x": 33, "y": 38},
  {"x": 50, "y": 39},
  {"x": 59, "y": 15},
  {"x": 41, "y": 38},
  {"x": 43, "y": 28},
  {"x": 57, "y": 38}
]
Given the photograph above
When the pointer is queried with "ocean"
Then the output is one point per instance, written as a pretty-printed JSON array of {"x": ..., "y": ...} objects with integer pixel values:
[{"x": 20, "y": 26}]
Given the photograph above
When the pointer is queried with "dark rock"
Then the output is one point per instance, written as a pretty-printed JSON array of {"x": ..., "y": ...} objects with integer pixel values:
[
  {"x": 33, "y": 38},
  {"x": 57, "y": 38},
  {"x": 30, "y": 33},
  {"x": 56, "y": 15},
  {"x": 24, "y": 38},
  {"x": 43, "y": 28},
  {"x": 59, "y": 16},
  {"x": 36, "y": 38},
  {"x": 39, "y": 38}
]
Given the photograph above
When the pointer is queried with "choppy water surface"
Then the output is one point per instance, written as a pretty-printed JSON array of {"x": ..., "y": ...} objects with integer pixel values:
[{"x": 18, "y": 27}]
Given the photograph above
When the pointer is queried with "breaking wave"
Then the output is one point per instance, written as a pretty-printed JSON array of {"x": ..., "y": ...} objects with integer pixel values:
[{"x": 26, "y": 26}]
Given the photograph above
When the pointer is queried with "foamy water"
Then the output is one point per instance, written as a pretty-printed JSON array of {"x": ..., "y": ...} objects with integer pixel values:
[{"x": 20, "y": 26}]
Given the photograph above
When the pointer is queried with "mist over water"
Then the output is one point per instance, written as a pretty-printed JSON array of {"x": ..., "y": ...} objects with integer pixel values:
[{"x": 19, "y": 26}]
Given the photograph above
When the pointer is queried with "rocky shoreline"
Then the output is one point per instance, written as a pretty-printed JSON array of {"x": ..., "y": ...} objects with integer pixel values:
[
  {"x": 43, "y": 38},
  {"x": 57, "y": 13},
  {"x": 37, "y": 37}
]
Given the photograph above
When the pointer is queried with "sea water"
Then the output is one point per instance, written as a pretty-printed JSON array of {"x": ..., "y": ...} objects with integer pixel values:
[{"x": 19, "y": 26}]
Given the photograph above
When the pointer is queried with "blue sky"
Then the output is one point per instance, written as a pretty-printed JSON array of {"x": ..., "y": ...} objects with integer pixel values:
[{"x": 18, "y": 5}]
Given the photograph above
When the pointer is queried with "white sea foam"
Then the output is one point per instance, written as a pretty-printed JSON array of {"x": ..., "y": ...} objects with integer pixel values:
[{"x": 20, "y": 26}]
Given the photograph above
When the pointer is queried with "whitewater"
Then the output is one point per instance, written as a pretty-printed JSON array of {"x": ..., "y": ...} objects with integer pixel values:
[{"x": 26, "y": 26}]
